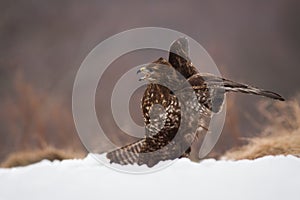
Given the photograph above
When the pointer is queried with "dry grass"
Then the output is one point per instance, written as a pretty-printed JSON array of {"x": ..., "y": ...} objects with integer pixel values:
[
  {"x": 271, "y": 145},
  {"x": 24, "y": 158},
  {"x": 35, "y": 125},
  {"x": 281, "y": 135},
  {"x": 33, "y": 118}
]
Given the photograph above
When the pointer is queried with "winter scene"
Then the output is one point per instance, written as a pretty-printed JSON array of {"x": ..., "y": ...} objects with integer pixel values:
[{"x": 149, "y": 100}]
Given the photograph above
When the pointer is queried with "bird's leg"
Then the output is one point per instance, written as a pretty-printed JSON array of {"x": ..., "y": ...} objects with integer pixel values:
[
  {"x": 186, "y": 154},
  {"x": 188, "y": 140}
]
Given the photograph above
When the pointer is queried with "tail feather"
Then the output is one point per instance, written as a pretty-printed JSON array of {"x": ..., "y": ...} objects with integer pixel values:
[{"x": 128, "y": 154}]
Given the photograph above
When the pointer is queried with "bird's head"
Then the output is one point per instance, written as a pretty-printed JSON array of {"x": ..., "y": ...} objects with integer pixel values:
[
  {"x": 163, "y": 73},
  {"x": 156, "y": 72}
]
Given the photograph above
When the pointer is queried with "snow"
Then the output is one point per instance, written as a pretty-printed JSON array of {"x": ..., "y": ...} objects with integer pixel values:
[{"x": 265, "y": 178}]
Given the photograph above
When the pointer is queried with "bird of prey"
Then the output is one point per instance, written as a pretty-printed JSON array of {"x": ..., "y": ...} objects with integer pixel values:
[{"x": 177, "y": 107}]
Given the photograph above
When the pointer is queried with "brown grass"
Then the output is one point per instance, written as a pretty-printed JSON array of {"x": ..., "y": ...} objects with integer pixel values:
[
  {"x": 34, "y": 118},
  {"x": 24, "y": 158},
  {"x": 281, "y": 135}
]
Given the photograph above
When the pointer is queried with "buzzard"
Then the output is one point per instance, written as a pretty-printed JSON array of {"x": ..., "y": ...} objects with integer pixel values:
[{"x": 177, "y": 106}]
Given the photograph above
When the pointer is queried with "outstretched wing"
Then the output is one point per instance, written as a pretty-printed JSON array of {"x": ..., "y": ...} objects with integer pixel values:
[
  {"x": 231, "y": 86},
  {"x": 211, "y": 90}
]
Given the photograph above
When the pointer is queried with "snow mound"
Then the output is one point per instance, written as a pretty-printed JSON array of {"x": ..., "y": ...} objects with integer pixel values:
[{"x": 265, "y": 178}]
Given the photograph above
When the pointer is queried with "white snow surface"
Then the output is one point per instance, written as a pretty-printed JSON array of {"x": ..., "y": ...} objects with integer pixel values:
[{"x": 264, "y": 178}]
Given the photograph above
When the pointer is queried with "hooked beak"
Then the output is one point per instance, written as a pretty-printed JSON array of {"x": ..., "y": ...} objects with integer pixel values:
[{"x": 143, "y": 70}]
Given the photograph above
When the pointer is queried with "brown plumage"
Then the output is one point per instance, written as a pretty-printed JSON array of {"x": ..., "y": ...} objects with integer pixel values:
[{"x": 177, "y": 106}]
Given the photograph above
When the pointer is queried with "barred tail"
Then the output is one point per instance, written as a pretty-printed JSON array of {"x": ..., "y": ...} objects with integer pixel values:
[{"x": 128, "y": 154}]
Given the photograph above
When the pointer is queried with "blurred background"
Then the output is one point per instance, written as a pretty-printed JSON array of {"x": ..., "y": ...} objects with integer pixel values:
[{"x": 42, "y": 44}]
